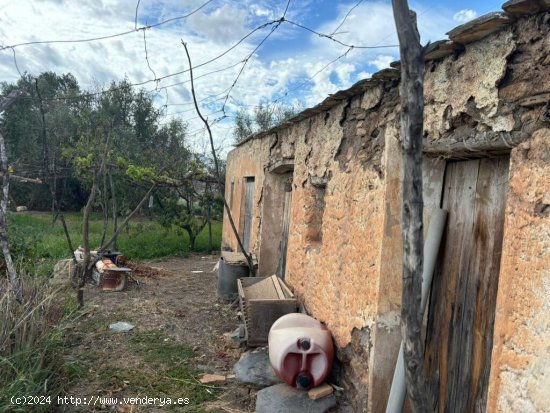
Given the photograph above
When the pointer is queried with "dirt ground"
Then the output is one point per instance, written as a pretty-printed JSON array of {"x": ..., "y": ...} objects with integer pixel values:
[{"x": 178, "y": 336}]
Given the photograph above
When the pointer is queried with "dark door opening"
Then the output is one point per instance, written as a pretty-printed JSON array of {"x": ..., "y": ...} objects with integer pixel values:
[
  {"x": 283, "y": 246},
  {"x": 248, "y": 203}
]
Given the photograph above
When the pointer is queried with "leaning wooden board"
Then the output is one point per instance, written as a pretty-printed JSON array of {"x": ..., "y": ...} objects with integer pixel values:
[{"x": 263, "y": 300}]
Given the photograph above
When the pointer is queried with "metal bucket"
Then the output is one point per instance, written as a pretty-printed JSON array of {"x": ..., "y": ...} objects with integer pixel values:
[{"x": 228, "y": 273}]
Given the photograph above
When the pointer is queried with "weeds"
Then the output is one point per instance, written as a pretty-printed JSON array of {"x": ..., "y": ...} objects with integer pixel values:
[{"x": 31, "y": 338}]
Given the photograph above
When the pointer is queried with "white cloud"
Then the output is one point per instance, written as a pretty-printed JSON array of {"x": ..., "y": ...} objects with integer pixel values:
[
  {"x": 382, "y": 61},
  {"x": 292, "y": 64},
  {"x": 465, "y": 15},
  {"x": 363, "y": 75},
  {"x": 344, "y": 72},
  {"x": 224, "y": 25},
  {"x": 262, "y": 12}
]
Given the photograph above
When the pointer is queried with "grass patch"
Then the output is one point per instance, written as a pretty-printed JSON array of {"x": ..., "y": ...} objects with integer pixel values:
[
  {"x": 38, "y": 245},
  {"x": 171, "y": 364},
  {"x": 157, "y": 349}
]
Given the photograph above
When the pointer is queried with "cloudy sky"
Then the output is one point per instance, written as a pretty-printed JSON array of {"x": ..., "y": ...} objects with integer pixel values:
[{"x": 292, "y": 65}]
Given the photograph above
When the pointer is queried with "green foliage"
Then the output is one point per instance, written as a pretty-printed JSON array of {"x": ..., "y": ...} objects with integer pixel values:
[
  {"x": 64, "y": 141},
  {"x": 141, "y": 173},
  {"x": 263, "y": 118},
  {"x": 181, "y": 215}
]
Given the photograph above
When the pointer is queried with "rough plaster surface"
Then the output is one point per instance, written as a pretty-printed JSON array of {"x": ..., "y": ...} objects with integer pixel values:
[{"x": 520, "y": 374}]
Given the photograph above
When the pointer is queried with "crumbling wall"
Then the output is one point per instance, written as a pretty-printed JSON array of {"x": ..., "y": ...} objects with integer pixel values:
[
  {"x": 520, "y": 372},
  {"x": 345, "y": 251},
  {"x": 338, "y": 202}
]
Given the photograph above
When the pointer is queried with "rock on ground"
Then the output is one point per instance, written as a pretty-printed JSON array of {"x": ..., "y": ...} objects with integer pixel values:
[
  {"x": 282, "y": 398},
  {"x": 62, "y": 272},
  {"x": 254, "y": 368},
  {"x": 121, "y": 326}
]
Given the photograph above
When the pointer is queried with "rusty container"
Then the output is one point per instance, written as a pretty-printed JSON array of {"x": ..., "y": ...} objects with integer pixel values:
[
  {"x": 300, "y": 350},
  {"x": 114, "y": 279}
]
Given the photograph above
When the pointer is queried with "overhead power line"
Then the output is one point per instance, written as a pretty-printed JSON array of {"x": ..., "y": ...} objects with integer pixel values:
[
  {"x": 109, "y": 36},
  {"x": 331, "y": 37}
]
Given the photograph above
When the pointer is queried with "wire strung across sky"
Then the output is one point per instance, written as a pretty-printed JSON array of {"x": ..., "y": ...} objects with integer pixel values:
[
  {"x": 110, "y": 36},
  {"x": 282, "y": 19},
  {"x": 273, "y": 25}
]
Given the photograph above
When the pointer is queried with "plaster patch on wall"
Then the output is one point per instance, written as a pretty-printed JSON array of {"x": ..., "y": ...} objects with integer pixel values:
[
  {"x": 453, "y": 83},
  {"x": 389, "y": 320}
]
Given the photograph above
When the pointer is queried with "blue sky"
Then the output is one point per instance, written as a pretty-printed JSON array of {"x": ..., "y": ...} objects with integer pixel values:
[{"x": 293, "y": 66}]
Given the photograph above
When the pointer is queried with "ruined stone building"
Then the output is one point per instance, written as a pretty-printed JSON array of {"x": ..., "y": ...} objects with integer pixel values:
[{"x": 317, "y": 200}]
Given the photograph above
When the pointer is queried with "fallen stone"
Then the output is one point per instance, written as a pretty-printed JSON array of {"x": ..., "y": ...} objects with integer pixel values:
[
  {"x": 285, "y": 399},
  {"x": 121, "y": 327},
  {"x": 211, "y": 378},
  {"x": 21, "y": 209},
  {"x": 254, "y": 368},
  {"x": 320, "y": 391}
]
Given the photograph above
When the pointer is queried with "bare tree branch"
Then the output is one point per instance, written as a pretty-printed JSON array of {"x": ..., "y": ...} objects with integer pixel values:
[
  {"x": 24, "y": 179},
  {"x": 247, "y": 255}
]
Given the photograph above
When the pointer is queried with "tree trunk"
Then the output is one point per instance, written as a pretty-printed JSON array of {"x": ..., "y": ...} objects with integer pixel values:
[
  {"x": 4, "y": 168},
  {"x": 247, "y": 255},
  {"x": 126, "y": 222},
  {"x": 53, "y": 192},
  {"x": 12, "y": 273},
  {"x": 209, "y": 217},
  {"x": 105, "y": 208},
  {"x": 114, "y": 207},
  {"x": 192, "y": 236},
  {"x": 85, "y": 264},
  {"x": 412, "y": 109}
]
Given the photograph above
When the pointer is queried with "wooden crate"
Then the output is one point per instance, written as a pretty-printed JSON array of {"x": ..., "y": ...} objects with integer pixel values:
[{"x": 263, "y": 300}]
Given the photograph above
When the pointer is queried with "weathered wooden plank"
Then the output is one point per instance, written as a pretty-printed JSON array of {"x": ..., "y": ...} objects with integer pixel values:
[
  {"x": 283, "y": 246},
  {"x": 478, "y": 145},
  {"x": 461, "y": 315},
  {"x": 263, "y": 289},
  {"x": 458, "y": 199},
  {"x": 488, "y": 230},
  {"x": 261, "y": 316}
]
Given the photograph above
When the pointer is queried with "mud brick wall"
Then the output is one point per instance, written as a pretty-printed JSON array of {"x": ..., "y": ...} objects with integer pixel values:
[{"x": 344, "y": 248}]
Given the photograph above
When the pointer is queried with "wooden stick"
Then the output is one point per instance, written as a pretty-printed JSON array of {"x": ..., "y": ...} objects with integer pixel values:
[{"x": 412, "y": 110}]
